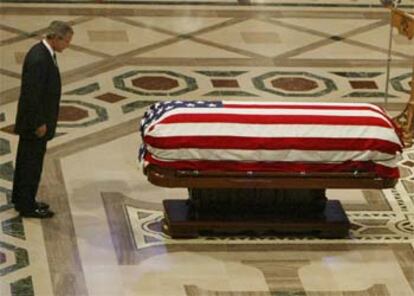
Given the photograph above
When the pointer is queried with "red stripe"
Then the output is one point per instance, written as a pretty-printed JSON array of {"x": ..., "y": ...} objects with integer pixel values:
[
  {"x": 228, "y": 142},
  {"x": 289, "y": 167},
  {"x": 274, "y": 119}
]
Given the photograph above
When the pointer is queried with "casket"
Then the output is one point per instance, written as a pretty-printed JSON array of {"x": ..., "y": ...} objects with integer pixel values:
[{"x": 274, "y": 148}]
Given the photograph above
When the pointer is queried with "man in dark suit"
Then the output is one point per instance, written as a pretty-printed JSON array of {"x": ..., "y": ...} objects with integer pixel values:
[{"x": 37, "y": 116}]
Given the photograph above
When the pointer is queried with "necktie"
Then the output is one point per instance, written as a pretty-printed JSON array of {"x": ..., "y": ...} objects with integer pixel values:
[{"x": 54, "y": 59}]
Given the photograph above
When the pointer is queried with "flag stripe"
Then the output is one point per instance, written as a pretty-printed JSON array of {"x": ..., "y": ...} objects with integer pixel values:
[
  {"x": 223, "y": 142},
  {"x": 280, "y": 119}
]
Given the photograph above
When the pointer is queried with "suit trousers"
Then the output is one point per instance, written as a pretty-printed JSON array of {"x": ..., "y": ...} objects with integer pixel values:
[{"x": 27, "y": 173}]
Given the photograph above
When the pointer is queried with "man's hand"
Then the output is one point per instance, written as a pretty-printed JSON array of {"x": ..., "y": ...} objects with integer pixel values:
[{"x": 41, "y": 131}]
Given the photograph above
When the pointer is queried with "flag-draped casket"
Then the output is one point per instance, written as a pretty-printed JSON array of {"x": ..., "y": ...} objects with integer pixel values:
[{"x": 270, "y": 137}]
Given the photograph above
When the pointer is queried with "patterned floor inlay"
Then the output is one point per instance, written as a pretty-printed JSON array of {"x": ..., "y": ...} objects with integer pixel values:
[
  {"x": 22, "y": 287},
  {"x": 367, "y": 227},
  {"x": 375, "y": 290},
  {"x": 131, "y": 85},
  {"x": 16, "y": 258}
]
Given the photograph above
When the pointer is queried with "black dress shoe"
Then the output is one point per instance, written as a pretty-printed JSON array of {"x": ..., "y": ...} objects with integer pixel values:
[
  {"x": 42, "y": 205},
  {"x": 37, "y": 213},
  {"x": 38, "y": 205}
]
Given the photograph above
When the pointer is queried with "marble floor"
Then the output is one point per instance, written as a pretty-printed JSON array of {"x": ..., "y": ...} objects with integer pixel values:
[{"x": 106, "y": 237}]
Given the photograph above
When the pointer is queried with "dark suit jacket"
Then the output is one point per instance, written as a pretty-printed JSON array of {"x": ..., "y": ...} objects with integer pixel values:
[{"x": 39, "y": 95}]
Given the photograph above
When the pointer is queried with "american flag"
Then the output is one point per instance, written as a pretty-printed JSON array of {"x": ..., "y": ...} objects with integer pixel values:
[{"x": 270, "y": 136}]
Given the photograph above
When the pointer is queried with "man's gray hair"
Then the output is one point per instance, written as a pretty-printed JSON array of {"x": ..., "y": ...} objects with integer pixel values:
[{"x": 58, "y": 29}]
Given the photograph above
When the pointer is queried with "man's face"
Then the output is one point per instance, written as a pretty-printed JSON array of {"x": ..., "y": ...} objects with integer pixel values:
[{"x": 59, "y": 43}]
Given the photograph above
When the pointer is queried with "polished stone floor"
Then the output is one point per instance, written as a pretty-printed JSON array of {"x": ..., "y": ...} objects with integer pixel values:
[{"x": 106, "y": 237}]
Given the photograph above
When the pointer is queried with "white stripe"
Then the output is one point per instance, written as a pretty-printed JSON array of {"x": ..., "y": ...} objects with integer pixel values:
[
  {"x": 316, "y": 157},
  {"x": 274, "y": 131}
]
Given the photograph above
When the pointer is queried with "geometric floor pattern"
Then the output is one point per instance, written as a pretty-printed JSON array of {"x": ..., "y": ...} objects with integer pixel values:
[{"x": 106, "y": 237}]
